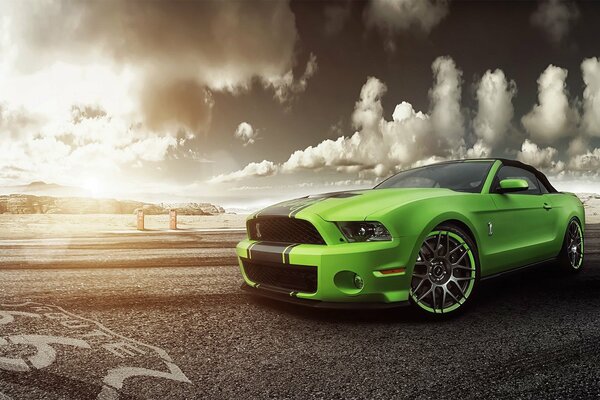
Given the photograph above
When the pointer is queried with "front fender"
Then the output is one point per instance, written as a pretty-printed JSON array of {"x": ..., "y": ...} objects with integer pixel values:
[{"x": 417, "y": 220}]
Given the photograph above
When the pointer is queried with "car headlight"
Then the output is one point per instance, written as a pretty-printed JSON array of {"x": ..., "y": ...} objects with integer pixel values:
[{"x": 364, "y": 231}]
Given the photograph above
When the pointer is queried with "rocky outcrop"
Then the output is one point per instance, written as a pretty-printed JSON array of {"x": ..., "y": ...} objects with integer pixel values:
[
  {"x": 29, "y": 204},
  {"x": 193, "y": 208}
]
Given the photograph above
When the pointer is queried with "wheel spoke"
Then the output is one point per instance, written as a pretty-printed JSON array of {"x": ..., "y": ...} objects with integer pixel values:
[
  {"x": 425, "y": 294},
  {"x": 462, "y": 292},
  {"x": 444, "y": 290},
  {"x": 438, "y": 244},
  {"x": 452, "y": 294},
  {"x": 422, "y": 256},
  {"x": 458, "y": 247},
  {"x": 429, "y": 248},
  {"x": 419, "y": 286},
  {"x": 462, "y": 256}
]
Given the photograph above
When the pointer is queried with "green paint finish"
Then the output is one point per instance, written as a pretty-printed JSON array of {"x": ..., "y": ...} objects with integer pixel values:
[
  {"x": 509, "y": 230},
  {"x": 513, "y": 185}
]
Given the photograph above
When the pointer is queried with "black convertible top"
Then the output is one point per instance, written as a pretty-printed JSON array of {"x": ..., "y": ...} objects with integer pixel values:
[
  {"x": 508, "y": 162},
  {"x": 519, "y": 164},
  {"x": 527, "y": 167}
]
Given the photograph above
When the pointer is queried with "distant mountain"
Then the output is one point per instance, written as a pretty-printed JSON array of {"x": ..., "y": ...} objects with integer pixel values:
[{"x": 43, "y": 189}]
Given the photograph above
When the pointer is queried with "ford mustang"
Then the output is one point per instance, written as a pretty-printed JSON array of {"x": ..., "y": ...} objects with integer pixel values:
[{"x": 426, "y": 237}]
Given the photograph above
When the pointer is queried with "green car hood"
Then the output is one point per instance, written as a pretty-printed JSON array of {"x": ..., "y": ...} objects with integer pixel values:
[{"x": 353, "y": 205}]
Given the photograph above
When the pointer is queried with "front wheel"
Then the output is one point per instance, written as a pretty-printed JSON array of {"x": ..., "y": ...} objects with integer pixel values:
[
  {"x": 446, "y": 272},
  {"x": 570, "y": 258}
]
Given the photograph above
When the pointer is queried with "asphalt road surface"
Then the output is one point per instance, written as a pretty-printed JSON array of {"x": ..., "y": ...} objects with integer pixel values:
[{"x": 174, "y": 324}]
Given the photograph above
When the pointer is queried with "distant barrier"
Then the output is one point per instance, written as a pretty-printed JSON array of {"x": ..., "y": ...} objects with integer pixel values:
[
  {"x": 140, "y": 220},
  {"x": 172, "y": 219}
]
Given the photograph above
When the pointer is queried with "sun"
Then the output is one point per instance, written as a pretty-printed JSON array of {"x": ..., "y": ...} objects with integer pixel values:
[{"x": 94, "y": 187}]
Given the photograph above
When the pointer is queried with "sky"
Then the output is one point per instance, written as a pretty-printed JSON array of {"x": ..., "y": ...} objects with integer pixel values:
[{"x": 246, "y": 103}]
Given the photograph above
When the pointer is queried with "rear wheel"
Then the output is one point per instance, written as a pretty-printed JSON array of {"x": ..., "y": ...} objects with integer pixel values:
[
  {"x": 446, "y": 272},
  {"x": 571, "y": 255}
]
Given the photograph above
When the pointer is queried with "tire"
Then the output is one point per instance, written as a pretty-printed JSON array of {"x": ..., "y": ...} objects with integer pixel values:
[
  {"x": 570, "y": 259},
  {"x": 446, "y": 273}
]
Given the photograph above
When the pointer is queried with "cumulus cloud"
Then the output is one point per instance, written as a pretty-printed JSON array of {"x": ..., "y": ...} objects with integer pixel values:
[
  {"x": 553, "y": 117},
  {"x": 285, "y": 87},
  {"x": 246, "y": 133},
  {"x": 392, "y": 16},
  {"x": 587, "y": 163},
  {"x": 543, "y": 158},
  {"x": 378, "y": 146},
  {"x": 261, "y": 169},
  {"x": 494, "y": 113},
  {"x": 411, "y": 138},
  {"x": 590, "y": 68},
  {"x": 555, "y": 18}
]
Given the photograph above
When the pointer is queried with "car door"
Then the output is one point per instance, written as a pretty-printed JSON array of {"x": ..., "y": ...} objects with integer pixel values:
[{"x": 524, "y": 225}]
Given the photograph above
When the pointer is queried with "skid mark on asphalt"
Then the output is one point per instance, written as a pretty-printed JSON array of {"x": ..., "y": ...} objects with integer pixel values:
[{"x": 69, "y": 341}]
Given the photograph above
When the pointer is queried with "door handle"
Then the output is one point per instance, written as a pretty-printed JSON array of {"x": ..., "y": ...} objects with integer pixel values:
[{"x": 547, "y": 206}]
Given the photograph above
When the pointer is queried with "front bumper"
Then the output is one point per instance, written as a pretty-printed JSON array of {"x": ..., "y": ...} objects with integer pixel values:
[
  {"x": 336, "y": 265},
  {"x": 285, "y": 297}
]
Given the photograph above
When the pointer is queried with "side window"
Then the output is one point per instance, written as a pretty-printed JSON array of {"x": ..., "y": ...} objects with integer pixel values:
[
  {"x": 543, "y": 187},
  {"x": 508, "y": 172}
]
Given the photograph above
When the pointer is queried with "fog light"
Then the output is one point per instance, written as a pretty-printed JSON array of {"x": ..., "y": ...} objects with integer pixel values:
[{"x": 358, "y": 281}]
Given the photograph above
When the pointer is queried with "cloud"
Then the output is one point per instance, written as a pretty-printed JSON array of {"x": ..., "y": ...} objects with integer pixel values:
[
  {"x": 378, "y": 146},
  {"x": 494, "y": 113},
  {"x": 285, "y": 87},
  {"x": 540, "y": 158},
  {"x": 393, "y": 16},
  {"x": 246, "y": 133},
  {"x": 261, "y": 169},
  {"x": 165, "y": 50},
  {"x": 590, "y": 68},
  {"x": 587, "y": 163},
  {"x": 555, "y": 18},
  {"x": 132, "y": 83},
  {"x": 553, "y": 117},
  {"x": 86, "y": 142},
  {"x": 445, "y": 97}
]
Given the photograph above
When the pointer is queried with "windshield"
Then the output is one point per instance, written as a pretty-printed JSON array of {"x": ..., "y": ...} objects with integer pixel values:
[{"x": 460, "y": 176}]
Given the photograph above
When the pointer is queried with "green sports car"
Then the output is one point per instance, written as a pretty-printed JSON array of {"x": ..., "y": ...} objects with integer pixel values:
[{"x": 425, "y": 237}]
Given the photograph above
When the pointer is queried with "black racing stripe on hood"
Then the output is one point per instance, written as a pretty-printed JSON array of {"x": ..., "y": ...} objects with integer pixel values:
[{"x": 292, "y": 207}]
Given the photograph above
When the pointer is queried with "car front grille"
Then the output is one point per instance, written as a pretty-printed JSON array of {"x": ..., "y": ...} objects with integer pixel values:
[
  {"x": 298, "y": 278},
  {"x": 283, "y": 230}
]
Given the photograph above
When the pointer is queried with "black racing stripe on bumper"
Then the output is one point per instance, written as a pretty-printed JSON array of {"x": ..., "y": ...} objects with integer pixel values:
[
  {"x": 286, "y": 253},
  {"x": 268, "y": 252}
]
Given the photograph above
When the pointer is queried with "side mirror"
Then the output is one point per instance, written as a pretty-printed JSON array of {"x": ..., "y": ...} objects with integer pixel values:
[{"x": 513, "y": 185}]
